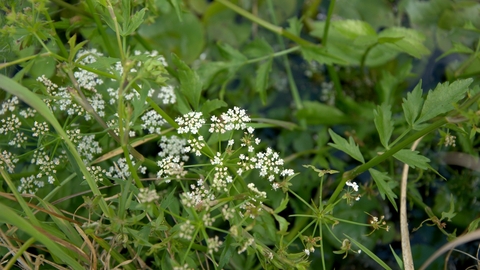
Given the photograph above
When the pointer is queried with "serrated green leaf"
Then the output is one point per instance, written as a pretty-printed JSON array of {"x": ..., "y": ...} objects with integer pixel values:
[
  {"x": 211, "y": 105},
  {"x": 412, "y": 158},
  {"x": 135, "y": 22},
  {"x": 258, "y": 48},
  {"x": 442, "y": 99},
  {"x": 383, "y": 123},
  {"x": 283, "y": 204},
  {"x": 319, "y": 54},
  {"x": 383, "y": 187},
  {"x": 294, "y": 26},
  {"x": 261, "y": 80},
  {"x": 190, "y": 85},
  {"x": 232, "y": 54},
  {"x": 451, "y": 212},
  {"x": 407, "y": 40},
  {"x": 350, "y": 147},
  {"x": 413, "y": 104}
]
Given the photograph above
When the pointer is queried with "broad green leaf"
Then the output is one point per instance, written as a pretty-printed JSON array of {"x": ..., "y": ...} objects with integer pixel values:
[
  {"x": 413, "y": 104},
  {"x": 350, "y": 147},
  {"x": 211, "y": 105},
  {"x": 354, "y": 28},
  {"x": 384, "y": 187},
  {"x": 261, "y": 80},
  {"x": 365, "y": 41},
  {"x": 442, "y": 99},
  {"x": 451, "y": 212},
  {"x": 316, "y": 113},
  {"x": 369, "y": 253},
  {"x": 412, "y": 159},
  {"x": 383, "y": 123},
  {"x": 190, "y": 85},
  {"x": 321, "y": 55},
  {"x": 411, "y": 41},
  {"x": 283, "y": 204}
]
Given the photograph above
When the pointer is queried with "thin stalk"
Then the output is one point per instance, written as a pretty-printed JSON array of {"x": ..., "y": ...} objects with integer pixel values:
[
  {"x": 59, "y": 43},
  {"x": 117, "y": 32},
  {"x": 327, "y": 22},
  {"x": 286, "y": 63},
  {"x": 21, "y": 60},
  {"x": 72, "y": 8},
  {"x": 100, "y": 29}
]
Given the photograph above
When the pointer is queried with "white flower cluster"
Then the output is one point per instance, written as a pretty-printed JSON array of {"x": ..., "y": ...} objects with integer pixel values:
[
  {"x": 190, "y": 122},
  {"x": 167, "y": 95},
  {"x": 352, "y": 185},
  {"x": 186, "y": 230},
  {"x": 173, "y": 146},
  {"x": 199, "y": 197},
  {"x": 40, "y": 128},
  {"x": 120, "y": 169},
  {"x": 146, "y": 195},
  {"x": 88, "y": 148},
  {"x": 47, "y": 165},
  {"x": 9, "y": 105},
  {"x": 213, "y": 244},
  {"x": 195, "y": 145},
  {"x": 8, "y": 161},
  {"x": 152, "y": 121},
  {"x": 29, "y": 185},
  {"x": 86, "y": 79},
  {"x": 96, "y": 172},
  {"x": 171, "y": 167},
  {"x": 233, "y": 119}
]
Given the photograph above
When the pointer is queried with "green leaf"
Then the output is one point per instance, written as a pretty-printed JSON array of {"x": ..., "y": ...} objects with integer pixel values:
[
  {"x": 383, "y": 123},
  {"x": 232, "y": 54},
  {"x": 442, "y": 99},
  {"x": 397, "y": 258},
  {"x": 369, "y": 253},
  {"x": 412, "y": 158},
  {"x": 354, "y": 28},
  {"x": 316, "y": 113},
  {"x": 211, "y": 105},
  {"x": 404, "y": 40},
  {"x": 294, "y": 26},
  {"x": 320, "y": 54},
  {"x": 176, "y": 5},
  {"x": 350, "y": 147},
  {"x": 451, "y": 213},
  {"x": 190, "y": 85},
  {"x": 258, "y": 48},
  {"x": 283, "y": 204},
  {"x": 282, "y": 222},
  {"x": 412, "y": 104},
  {"x": 384, "y": 187},
  {"x": 135, "y": 22},
  {"x": 261, "y": 81}
]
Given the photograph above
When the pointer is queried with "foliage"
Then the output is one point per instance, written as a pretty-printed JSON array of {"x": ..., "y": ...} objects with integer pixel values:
[{"x": 190, "y": 134}]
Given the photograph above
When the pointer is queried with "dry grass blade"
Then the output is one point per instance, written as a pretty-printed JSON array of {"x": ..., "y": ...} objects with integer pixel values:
[
  {"x": 475, "y": 235},
  {"x": 93, "y": 254}
]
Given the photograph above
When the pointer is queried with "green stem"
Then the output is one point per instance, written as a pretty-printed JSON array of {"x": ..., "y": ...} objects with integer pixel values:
[
  {"x": 100, "y": 29},
  {"x": 327, "y": 22},
  {"x": 55, "y": 35},
  {"x": 21, "y": 60},
  {"x": 117, "y": 32},
  {"x": 378, "y": 159}
]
